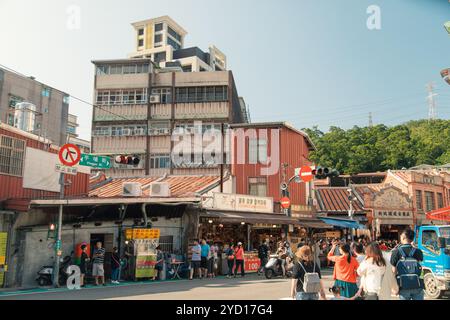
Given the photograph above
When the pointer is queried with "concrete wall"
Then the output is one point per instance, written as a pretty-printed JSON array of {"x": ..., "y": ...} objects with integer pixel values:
[{"x": 38, "y": 251}]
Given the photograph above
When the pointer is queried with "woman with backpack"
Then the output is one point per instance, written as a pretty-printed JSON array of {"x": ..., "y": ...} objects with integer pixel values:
[
  {"x": 306, "y": 283},
  {"x": 345, "y": 268},
  {"x": 372, "y": 271}
]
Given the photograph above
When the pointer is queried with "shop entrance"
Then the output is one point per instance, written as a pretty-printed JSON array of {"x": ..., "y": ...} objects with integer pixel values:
[{"x": 107, "y": 240}]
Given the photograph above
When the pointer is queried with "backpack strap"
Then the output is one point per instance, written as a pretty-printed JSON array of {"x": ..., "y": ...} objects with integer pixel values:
[
  {"x": 411, "y": 253},
  {"x": 403, "y": 254}
]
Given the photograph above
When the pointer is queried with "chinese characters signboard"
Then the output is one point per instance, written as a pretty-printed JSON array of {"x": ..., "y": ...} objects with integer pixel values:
[{"x": 239, "y": 202}]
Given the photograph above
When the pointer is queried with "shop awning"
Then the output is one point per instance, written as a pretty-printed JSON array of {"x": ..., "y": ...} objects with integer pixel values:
[
  {"x": 343, "y": 223},
  {"x": 442, "y": 214},
  {"x": 238, "y": 217}
]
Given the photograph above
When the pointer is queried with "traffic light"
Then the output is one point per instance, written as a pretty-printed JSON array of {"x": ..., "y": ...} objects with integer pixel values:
[
  {"x": 127, "y": 160},
  {"x": 321, "y": 173}
]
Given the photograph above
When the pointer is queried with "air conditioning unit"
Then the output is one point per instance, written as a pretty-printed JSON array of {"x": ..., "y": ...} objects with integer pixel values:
[
  {"x": 165, "y": 131},
  {"x": 126, "y": 132},
  {"x": 131, "y": 189},
  {"x": 159, "y": 189},
  {"x": 154, "y": 98},
  {"x": 139, "y": 132}
]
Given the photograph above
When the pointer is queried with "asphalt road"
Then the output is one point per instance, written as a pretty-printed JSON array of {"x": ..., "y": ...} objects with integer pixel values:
[{"x": 251, "y": 287}]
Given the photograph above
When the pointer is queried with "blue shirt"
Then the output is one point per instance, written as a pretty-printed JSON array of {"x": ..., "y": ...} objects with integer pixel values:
[
  {"x": 205, "y": 250},
  {"x": 196, "y": 253}
]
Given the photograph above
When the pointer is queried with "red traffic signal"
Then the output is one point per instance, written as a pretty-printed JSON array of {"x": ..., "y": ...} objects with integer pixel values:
[{"x": 127, "y": 160}]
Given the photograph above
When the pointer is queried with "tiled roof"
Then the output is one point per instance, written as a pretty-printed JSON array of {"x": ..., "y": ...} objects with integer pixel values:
[
  {"x": 404, "y": 175},
  {"x": 335, "y": 200},
  {"x": 180, "y": 186},
  {"x": 369, "y": 188}
]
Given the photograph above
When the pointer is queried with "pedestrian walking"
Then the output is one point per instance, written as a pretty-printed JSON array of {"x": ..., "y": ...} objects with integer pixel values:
[
  {"x": 196, "y": 259},
  {"x": 229, "y": 253},
  {"x": 263, "y": 255},
  {"x": 212, "y": 259},
  {"x": 98, "y": 270},
  {"x": 345, "y": 267},
  {"x": 372, "y": 270},
  {"x": 205, "y": 255},
  {"x": 389, "y": 284},
  {"x": 239, "y": 255},
  {"x": 405, "y": 260},
  {"x": 306, "y": 283},
  {"x": 282, "y": 254},
  {"x": 84, "y": 260},
  {"x": 115, "y": 266}
]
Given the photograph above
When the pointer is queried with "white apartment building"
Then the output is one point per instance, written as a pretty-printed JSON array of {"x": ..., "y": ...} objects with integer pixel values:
[
  {"x": 162, "y": 40},
  {"x": 140, "y": 101}
]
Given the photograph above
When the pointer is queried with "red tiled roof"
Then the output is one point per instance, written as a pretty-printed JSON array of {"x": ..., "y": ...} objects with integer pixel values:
[
  {"x": 369, "y": 188},
  {"x": 180, "y": 186},
  {"x": 335, "y": 199},
  {"x": 404, "y": 175}
]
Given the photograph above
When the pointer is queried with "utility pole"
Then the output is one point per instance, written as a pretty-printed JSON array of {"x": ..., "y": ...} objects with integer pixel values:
[
  {"x": 350, "y": 210},
  {"x": 431, "y": 102},
  {"x": 58, "y": 238}
]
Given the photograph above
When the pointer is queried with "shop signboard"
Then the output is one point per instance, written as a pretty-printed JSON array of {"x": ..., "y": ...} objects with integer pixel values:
[
  {"x": 145, "y": 257},
  {"x": 240, "y": 202},
  {"x": 3, "y": 241},
  {"x": 140, "y": 233},
  {"x": 252, "y": 264}
]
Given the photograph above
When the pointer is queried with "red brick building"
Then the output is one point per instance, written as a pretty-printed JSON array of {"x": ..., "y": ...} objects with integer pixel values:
[{"x": 259, "y": 151}]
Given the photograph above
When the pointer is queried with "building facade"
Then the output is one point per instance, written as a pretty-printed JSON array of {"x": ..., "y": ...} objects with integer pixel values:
[
  {"x": 27, "y": 173},
  {"x": 260, "y": 151},
  {"x": 46, "y": 109},
  {"x": 428, "y": 189},
  {"x": 162, "y": 40},
  {"x": 139, "y": 104}
]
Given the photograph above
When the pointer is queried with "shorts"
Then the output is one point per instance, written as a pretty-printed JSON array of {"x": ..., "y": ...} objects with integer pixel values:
[
  {"x": 195, "y": 264},
  {"x": 98, "y": 270},
  {"x": 204, "y": 263}
]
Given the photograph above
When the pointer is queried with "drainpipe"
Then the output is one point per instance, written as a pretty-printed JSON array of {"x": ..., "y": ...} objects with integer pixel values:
[{"x": 144, "y": 214}]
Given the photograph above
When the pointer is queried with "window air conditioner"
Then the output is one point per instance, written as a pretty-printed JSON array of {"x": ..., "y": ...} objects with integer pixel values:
[
  {"x": 126, "y": 132},
  {"x": 159, "y": 189},
  {"x": 131, "y": 189},
  {"x": 154, "y": 98}
]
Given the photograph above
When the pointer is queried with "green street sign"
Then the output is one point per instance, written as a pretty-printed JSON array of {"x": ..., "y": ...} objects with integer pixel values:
[{"x": 97, "y": 162}]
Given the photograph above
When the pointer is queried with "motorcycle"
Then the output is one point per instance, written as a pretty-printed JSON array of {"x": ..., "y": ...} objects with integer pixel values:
[
  {"x": 45, "y": 274},
  {"x": 273, "y": 268}
]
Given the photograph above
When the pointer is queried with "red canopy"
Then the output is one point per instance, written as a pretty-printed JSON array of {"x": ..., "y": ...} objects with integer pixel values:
[{"x": 442, "y": 214}]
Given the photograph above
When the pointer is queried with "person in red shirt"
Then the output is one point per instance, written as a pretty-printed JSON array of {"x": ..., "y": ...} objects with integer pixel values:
[
  {"x": 239, "y": 254},
  {"x": 383, "y": 246},
  {"x": 345, "y": 269}
]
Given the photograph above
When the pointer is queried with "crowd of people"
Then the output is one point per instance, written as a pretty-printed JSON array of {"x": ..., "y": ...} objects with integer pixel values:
[
  {"x": 362, "y": 270},
  {"x": 204, "y": 259}
]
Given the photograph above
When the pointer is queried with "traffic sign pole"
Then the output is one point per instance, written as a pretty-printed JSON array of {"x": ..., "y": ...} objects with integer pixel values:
[{"x": 58, "y": 238}]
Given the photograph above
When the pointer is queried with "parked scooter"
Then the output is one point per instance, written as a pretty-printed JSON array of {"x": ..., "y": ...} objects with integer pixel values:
[
  {"x": 273, "y": 268},
  {"x": 45, "y": 274}
]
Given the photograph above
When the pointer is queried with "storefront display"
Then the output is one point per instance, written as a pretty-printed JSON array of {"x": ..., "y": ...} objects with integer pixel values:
[{"x": 143, "y": 244}]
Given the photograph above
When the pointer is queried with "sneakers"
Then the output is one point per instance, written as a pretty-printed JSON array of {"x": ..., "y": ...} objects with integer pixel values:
[{"x": 115, "y": 282}]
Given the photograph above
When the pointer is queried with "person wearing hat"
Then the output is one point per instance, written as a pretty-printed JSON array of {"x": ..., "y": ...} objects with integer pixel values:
[{"x": 239, "y": 254}]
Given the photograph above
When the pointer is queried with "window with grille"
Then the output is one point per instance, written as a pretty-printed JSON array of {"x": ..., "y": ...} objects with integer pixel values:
[
  {"x": 419, "y": 203},
  {"x": 166, "y": 243},
  {"x": 12, "y": 152},
  {"x": 257, "y": 186},
  {"x": 440, "y": 200},
  {"x": 202, "y": 94},
  {"x": 257, "y": 151},
  {"x": 429, "y": 201}
]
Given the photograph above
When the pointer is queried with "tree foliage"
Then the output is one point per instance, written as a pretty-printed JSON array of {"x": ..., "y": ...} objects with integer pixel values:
[{"x": 379, "y": 148}]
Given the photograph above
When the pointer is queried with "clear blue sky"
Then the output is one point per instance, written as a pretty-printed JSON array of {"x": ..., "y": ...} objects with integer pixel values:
[{"x": 311, "y": 62}]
